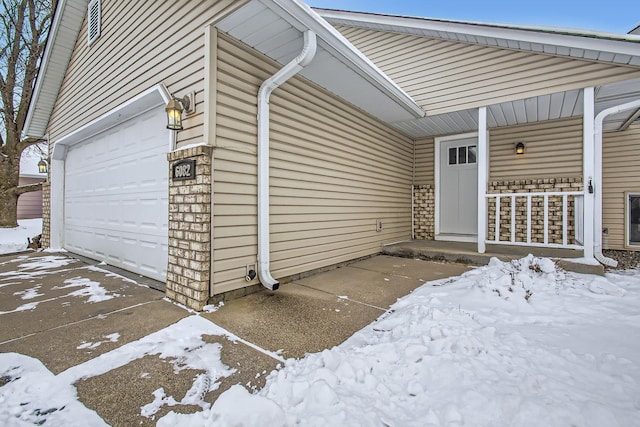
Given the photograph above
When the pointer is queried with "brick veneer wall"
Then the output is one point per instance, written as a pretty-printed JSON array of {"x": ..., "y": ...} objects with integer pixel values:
[
  {"x": 46, "y": 215},
  {"x": 537, "y": 209},
  {"x": 189, "y": 267},
  {"x": 424, "y": 212}
]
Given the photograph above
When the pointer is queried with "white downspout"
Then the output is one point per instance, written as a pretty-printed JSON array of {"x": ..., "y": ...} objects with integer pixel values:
[
  {"x": 267, "y": 87},
  {"x": 597, "y": 241}
]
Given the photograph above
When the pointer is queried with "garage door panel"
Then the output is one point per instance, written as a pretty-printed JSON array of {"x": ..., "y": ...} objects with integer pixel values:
[
  {"x": 133, "y": 211},
  {"x": 135, "y": 252},
  {"x": 116, "y": 196}
]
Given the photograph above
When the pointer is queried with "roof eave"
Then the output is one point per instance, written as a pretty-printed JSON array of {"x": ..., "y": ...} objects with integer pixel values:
[
  {"x": 622, "y": 44},
  {"x": 61, "y": 51},
  {"x": 314, "y": 22}
]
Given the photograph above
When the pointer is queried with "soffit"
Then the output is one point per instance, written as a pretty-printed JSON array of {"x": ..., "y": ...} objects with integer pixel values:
[
  {"x": 276, "y": 27},
  {"x": 559, "y": 105}
]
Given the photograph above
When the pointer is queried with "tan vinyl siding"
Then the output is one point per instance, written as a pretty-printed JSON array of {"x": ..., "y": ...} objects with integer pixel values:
[
  {"x": 142, "y": 43},
  {"x": 444, "y": 76},
  {"x": 424, "y": 169},
  {"x": 553, "y": 150},
  {"x": 620, "y": 160},
  {"x": 30, "y": 204},
  {"x": 334, "y": 171}
]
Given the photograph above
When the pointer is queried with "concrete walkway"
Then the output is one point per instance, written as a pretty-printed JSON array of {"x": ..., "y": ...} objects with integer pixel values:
[{"x": 56, "y": 308}]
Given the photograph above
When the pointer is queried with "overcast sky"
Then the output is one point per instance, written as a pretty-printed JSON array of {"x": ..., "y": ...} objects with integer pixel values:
[{"x": 618, "y": 16}]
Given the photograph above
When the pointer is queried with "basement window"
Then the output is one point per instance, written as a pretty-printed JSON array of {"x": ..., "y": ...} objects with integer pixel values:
[
  {"x": 633, "y": 219},
  {"x": 93, "y": 19}
]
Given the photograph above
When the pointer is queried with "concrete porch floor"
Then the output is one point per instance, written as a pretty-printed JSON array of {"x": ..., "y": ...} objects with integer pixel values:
[{"x": 467, "y": 253}]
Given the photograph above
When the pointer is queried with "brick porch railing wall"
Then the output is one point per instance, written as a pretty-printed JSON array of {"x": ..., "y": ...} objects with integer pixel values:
[
  {"x": 424, "y": 218},
  {"x": 537, "y": 209},
  {"x": 189, "y": 267}
]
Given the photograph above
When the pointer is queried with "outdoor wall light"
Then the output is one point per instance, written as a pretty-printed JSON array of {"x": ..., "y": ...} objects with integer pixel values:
[
  {"x": 174, "y": 110},
  {"x": 43, "y": 166},
  {"x": 520, "y": 148}
]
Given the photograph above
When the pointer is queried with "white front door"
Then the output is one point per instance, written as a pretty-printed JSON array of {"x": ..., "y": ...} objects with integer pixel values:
[
  {"x": 116, "y": 196},
  {"x": 458, "y": 188}
]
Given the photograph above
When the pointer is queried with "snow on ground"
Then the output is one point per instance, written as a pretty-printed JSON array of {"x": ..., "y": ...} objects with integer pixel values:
[
  {"x": 15, "y": 239},
  {"x": 37, "y": 268},
  {"x": 33, "y": 395},
  {"x": 88, "y": 288},
  {"x": 509, "y": 344}
]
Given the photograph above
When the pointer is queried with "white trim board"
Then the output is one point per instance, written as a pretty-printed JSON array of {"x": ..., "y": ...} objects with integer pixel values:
[{"x": 151, "y": 98}]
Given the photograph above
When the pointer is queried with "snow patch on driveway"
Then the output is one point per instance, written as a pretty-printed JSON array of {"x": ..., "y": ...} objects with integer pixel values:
[
  {"x": 88, "y": 288},
  {"x": 33, "y": 394}
]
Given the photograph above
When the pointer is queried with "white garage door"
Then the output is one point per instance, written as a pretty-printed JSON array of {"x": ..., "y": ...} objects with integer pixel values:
[{"x": 116, "y": 196}]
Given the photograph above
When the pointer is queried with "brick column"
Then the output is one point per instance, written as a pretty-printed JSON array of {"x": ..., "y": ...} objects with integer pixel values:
[
  {"x": 46, "y": 214},
  {"x": 189, "y": 268},
  {"x": 424, "y": 218}
]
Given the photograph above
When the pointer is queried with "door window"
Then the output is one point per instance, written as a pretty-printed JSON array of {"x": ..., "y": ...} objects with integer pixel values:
[{"x": 462, "y": 155}]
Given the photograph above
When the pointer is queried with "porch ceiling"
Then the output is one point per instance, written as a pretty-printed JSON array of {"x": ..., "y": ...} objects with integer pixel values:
[
  {"x": 276, "y": 27},
  {"x": 530, "y": 110}
]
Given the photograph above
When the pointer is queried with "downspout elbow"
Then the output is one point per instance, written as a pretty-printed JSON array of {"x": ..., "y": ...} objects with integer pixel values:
[{"x": 268, "y": 86}]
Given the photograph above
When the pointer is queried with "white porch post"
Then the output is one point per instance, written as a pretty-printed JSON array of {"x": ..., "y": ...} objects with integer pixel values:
[
  {"x": 588, "y": 169},
  {"x": 483, "y": 174}
]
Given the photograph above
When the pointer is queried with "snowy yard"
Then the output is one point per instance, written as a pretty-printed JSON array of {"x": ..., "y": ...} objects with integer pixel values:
[
  {"x": 15, "y": 239},
  {"x": 509, "y": 344}
]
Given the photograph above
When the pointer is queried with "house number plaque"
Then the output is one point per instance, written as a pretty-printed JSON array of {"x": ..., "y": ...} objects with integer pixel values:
[{"x": 184, "y": 169}]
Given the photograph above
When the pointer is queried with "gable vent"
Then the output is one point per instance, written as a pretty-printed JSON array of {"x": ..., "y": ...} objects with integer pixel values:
[{"x": 94, "y": 21}]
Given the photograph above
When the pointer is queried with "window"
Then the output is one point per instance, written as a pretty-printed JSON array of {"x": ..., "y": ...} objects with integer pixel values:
[
  {"x": 463, "y": 155},
  {"x": 93, "y": 20},
  {"x": 633, "y": 219},
  {"x": 453, "y": 159},
  {"x": 472, "y": 153}
]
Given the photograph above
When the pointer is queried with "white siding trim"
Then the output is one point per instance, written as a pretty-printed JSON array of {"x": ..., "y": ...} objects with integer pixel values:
[{"x": 148, "y": 99}]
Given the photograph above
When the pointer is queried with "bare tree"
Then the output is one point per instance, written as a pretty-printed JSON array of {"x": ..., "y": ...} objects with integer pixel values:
[{"x": 24, "y": 25}]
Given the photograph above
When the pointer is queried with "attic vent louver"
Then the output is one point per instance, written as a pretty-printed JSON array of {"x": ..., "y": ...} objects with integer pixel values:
[{"x": 94, "y": 21}]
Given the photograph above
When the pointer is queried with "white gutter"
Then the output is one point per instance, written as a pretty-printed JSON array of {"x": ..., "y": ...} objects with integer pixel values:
[
  {"x": 267, "y": 87},
  {"x": 597, "y": 241}
]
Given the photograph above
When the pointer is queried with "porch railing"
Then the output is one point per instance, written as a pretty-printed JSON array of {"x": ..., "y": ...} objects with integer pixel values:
[{"x": 547, "y": 219}]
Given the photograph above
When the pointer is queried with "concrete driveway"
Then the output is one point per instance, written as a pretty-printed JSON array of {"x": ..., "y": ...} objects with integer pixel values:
[{"x": 69, "y": 315}]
